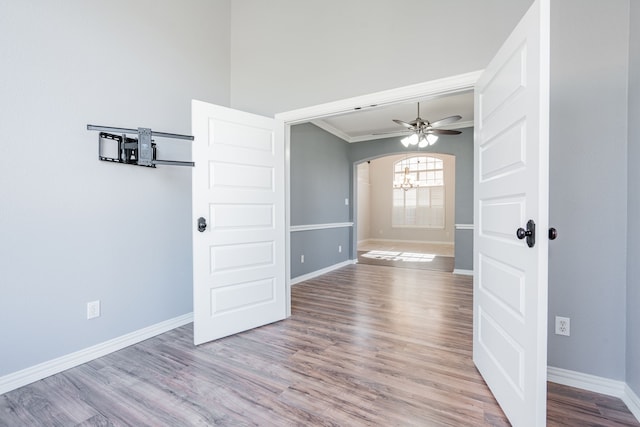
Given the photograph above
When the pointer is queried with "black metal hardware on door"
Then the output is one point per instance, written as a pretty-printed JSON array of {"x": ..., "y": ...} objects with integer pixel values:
[
  {"x": 553, "y": 233},
  {"x": 529, "y": 233},
  {"x": 202, "y": 224}
]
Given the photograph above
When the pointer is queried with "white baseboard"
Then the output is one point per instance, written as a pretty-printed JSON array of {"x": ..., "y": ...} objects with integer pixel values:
[
  {"x": 314, "y": 274},
  {"x": 43, "y": 370},
  {"x": 596, "y": 384},
  {"x": 585, "y": 381},
  {"x": 463, "y": 272},
  {"x": 632, "y": 401}
]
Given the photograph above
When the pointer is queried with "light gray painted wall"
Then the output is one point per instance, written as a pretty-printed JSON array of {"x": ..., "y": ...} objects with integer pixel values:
[
  {"x": 633, "y": 216},
  {"x": 588, "y": 180},
  {"x": 74, "y": 229},
  {"x": 320, "y": 249},
  {"x": 463, "y": 244},
  {"x": 320, "y": 182},
  {"x": 288, "y": 54},
  {"x": 382, "y": 175},
  {"x": 461, "y": 146},
  {"x": 320, "y": 177}
]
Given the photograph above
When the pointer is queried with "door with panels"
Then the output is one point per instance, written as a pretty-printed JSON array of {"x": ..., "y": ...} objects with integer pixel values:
[
  {"x": 511, "y": 219},
  {"x": 238, "y": 203}
]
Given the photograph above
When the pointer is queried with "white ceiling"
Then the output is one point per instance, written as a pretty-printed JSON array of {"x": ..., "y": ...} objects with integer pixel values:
[{"x": 364, "y": 125}]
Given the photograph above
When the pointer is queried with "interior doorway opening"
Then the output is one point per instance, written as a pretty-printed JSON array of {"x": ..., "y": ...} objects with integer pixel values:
[{"x": 428, "y": 90}]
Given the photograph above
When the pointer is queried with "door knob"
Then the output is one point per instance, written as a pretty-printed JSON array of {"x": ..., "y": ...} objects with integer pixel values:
[
  {"x": 202, "y": 224},
  {"x": 553, "y": 233},
  {"x": 529, "y": 233}
]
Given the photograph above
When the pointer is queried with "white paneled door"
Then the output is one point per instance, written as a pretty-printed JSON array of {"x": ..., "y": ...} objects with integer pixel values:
[
  {"x": 238, "y": 221},
  {"x": 511, "y": 188}
]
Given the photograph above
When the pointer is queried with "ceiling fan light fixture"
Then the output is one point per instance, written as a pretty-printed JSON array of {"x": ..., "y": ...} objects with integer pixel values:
[
  {"x": 424, "y": 141},
  {"x": 425, "y": 132},
  {"x": 410, "y": 140}
]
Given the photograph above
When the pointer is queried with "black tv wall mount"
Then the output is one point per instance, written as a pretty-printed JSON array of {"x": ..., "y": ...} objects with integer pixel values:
[{"x": 140, "y": 150}]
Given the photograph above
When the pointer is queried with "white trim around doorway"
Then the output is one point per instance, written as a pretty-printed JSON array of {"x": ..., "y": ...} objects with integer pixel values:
[{"x": 431, "y": 89}]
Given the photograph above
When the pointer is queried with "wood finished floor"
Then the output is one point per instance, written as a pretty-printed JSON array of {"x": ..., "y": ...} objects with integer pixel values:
[{"x": 365, "y": 345}]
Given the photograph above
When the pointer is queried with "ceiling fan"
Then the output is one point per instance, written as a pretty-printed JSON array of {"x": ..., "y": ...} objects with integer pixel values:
[{"x": 425, "y": 132}]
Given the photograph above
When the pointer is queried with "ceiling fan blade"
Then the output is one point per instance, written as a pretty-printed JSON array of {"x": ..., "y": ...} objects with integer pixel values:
[
  {"x": 405, "y": 124},
  {"x": 446, "y": 121},
  {"x": 392, "y": 132},
  {"x": 443, "y": 132}
]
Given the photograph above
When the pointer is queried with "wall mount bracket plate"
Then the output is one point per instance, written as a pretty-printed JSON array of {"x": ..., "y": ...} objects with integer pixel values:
[{"x": 140, "y": 151}]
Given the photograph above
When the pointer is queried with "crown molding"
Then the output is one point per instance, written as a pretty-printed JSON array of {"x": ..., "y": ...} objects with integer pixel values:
[
  {"x": 332, "y": 130},
  {"x": 371, "y": 137}
]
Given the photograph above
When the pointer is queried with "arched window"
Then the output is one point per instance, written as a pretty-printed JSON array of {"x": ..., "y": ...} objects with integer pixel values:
[{"x": 418, "y": 192}]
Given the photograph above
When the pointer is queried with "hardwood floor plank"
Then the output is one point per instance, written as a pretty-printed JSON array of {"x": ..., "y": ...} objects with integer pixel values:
[{"x": 365, "y": 346}]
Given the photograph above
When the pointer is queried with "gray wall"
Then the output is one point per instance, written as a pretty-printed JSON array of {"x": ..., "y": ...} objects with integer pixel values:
[
  {"x": 320, "y": 182},
  {"x": 289, "y": 54},
  {"x": 74, "y": 229},
  {"x": 320, "y": 249},
  {"x": 588, "y": 180},
  {"x": 320, "y": 177},
  {"x": 633, "y": 203}
]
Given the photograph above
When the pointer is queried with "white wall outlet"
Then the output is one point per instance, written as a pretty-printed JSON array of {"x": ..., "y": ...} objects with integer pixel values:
[
  {"x": 339, "y": 248},
  {"x": 563, "y": 326},
  {"x": 93, "y": 309},
  {"x": 346, "y": 202},
  {"x": 301, "y": 259}
]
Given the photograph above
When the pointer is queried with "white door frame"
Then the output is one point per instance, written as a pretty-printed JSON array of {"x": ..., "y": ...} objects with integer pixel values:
[{"x": 431, "y": 89}]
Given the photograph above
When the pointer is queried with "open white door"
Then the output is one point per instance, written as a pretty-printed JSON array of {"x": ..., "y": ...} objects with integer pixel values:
[
  {"x": 238, "y": 190},
  {"x": 511, "y": 188}
]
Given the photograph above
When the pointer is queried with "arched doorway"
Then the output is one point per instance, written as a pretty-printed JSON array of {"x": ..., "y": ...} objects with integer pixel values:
[{"x": 406, "y": 210}]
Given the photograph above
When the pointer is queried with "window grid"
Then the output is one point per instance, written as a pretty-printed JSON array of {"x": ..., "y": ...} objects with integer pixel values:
[{"x": 422, "y": 205}]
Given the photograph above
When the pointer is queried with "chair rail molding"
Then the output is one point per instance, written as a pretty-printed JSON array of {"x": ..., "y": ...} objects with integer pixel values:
[
  {"x": 308, "y": 227},
  {"x": 464, "y": 226}
]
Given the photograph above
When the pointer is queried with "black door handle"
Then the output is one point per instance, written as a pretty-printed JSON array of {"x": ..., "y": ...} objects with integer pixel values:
[
  {"x": 529, "y": 233},
  {"x": 553, "y": 233},
  {"x": 202, "y": 224}
]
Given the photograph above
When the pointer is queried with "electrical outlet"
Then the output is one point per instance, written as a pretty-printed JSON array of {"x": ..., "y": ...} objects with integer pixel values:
[
  {"x": 340, "y": 248},
  {"x": 563, "y": 326},
  {"x": 301, "y": 259},
  {"x": 93, "y": 309},
  {"x": 346, "y": 202}
]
